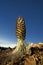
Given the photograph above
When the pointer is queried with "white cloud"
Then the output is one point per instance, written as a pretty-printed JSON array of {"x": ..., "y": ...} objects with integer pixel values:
[{"x": 5, "y": 43}]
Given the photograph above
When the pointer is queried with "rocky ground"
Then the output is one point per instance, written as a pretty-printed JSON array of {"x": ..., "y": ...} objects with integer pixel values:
[{"x": 35, "y": 58}]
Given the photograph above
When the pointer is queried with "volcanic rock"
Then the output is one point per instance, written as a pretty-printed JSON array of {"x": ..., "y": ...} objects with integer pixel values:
[{"x": 34, "y": 58}]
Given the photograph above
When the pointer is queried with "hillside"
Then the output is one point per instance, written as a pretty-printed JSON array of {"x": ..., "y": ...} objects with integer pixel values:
[{"x": 34, "y": 58}]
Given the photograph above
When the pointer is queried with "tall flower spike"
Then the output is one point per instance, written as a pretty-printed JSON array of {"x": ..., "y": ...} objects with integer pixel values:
[
  {"x": 22, "y": 47},
  {"x": 20, "y": 28},
  {"x": 20, "y": 34}
]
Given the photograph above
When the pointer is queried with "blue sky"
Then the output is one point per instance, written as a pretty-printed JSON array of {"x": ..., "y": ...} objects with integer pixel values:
[{"x": 31, "y": 10}]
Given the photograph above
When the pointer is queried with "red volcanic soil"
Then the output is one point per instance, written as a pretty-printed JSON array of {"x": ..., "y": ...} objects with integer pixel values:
[{"x": 35, "y": 58}]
